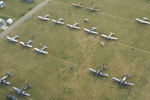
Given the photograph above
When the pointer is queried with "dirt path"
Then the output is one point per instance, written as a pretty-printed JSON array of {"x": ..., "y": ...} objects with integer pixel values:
[{"x": 22, "y": 19}]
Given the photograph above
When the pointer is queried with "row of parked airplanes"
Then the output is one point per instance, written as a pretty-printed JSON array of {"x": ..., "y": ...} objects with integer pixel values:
[
  {"x": 17, "y": 90},
  {"x": 94, "y": 8},
  {"x": 80, "y": 5},
  {"x": 75, "y": 26},
  {"x": 27, "y": 44},
  {"x": 120, "y": 81}
]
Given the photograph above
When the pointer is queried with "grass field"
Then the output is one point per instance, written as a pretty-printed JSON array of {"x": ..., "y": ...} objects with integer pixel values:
[
  {"x": 16, "y": 8},
  {"x": 51, "y": 76}
]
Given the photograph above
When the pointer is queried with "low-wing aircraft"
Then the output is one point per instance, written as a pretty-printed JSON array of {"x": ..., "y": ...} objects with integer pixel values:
[
  {"x": 44, "y": 18},
  {"x": 94, "y": 8},
  {"x": 79, "y": 5},
  {"x": 3, "y": 79},
  {"x": 58, "y": 21},
  {"x": 99, "y": 72},
  {"x": 109, "y": 37},
  {"x": 13, "y": 39},
  {"x": 74, "y": 26},
  {"x": 26, "y": 44},
  {"x": 143, "y": 21},
  {"x": 123, "y": 81},
  {"x": 41, "y": 51},
  {"x": 91, "y": 31},
  {"x": 22, "y": 91}
]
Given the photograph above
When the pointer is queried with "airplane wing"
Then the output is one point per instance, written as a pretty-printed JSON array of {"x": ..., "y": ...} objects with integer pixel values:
[
  {"x": 86, "y": 29},
  {"x": 116, "y": 79},
  {"x": 16, "y": 89},
  {"x": 113, "y": 38},
  {"x": 5, "y": 77},
  {"x": 93, "y": 32},
  {"x": 92, "y": 70},
  {"x": 104, "y": 74},
  {"x": 103, "y": 35},
  {"x": 69, "y": 25},
  {"x": 61, "y": 23},
  {"x": 47, "y": 19},
  {"x": 54, "y": 21},
  {"x": 26, "y": 94},
  {"x": 40, "y": 17},
  {"x": 77, "y": 28},
  {"x": 129, "y": 83},
  {"x": 44, "y": 52}
]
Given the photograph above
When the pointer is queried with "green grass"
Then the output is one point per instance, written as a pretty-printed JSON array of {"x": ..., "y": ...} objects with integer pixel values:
[
  {"x": 16, "y": 8},
  {"x": 51, "y": 76}
]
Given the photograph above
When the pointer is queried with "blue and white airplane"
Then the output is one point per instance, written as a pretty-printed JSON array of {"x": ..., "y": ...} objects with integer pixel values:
[
  {"x": 41, "y": 51},
  {"x": 13, "y": 39},
  {"x": 91, "y": 31}
]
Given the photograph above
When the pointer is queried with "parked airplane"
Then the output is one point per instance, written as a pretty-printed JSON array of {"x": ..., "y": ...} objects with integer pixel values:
[
  {"x": 143, "y": 21},
  {"x": 79, "y": 5},
  {"x": 74, "y": 26},
  {"x": 109, "y": 37},
  {"x": 13, "y": 39},
  {"x": 123, "y": 81},
  {"x": 99, "y": 72},
  {"x": 91, "y": 31},
  {"x": 22, "y": 91},
  {"x": 58, "y": 21},
  {"x": 94, "y": 8},
  {"x": 44, "y": 18},
  {"x": 41, "y": 51},
  {"x": 26, "y": 44},
  {"x": 3, "y": 79}
]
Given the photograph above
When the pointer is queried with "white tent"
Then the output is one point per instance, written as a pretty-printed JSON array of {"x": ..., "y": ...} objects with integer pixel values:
[{"x": 9, "y": 21}]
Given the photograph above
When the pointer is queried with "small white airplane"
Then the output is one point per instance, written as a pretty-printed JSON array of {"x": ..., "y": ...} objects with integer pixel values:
[
  {"x": 143, "y": 21},
  {"x": 41, "y": 51},
  {"x": 13, "y": 39},
  {"x": 74, "y": 26},
  {"x": 99, "y": 72},
  {"x": 58, "y": 21},
  {"x": 123, "y": 81},
  {"x": 109, "y": 37},
  {"x": 22, "y": 91},
  {"x": 26, "y": 44},
  {"x": 79, "y": 5},
  {"x": 94, "y": 8},
  {"x": 91, "y": 31},
  {"x": 44, "y": 18},
  {"x": 3, "y": 79}
]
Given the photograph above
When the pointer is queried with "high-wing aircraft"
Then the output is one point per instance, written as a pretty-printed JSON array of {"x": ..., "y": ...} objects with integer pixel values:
[
  {"x": 91, "y": 31},
  {"x": 109, "y": 37},
  {"x": 3, "y": 79},
  {"x": 22, "y": 91},
  {"x": 79, "y": 5},
  {"x": 44, "y": 18},
  {"x": 74, "y": 26},
  {"x": 99, "y": 72},
  {"x": 94, "y": 8},
  {"x": 143, "y": 21},
  {"x": 41, "y": 51},
  {"x": 58, "y": 21},
  {"x": 13, "y": 39},
  {"x": 26, "y": 44},
  {"x": 123, "y": 81}
]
